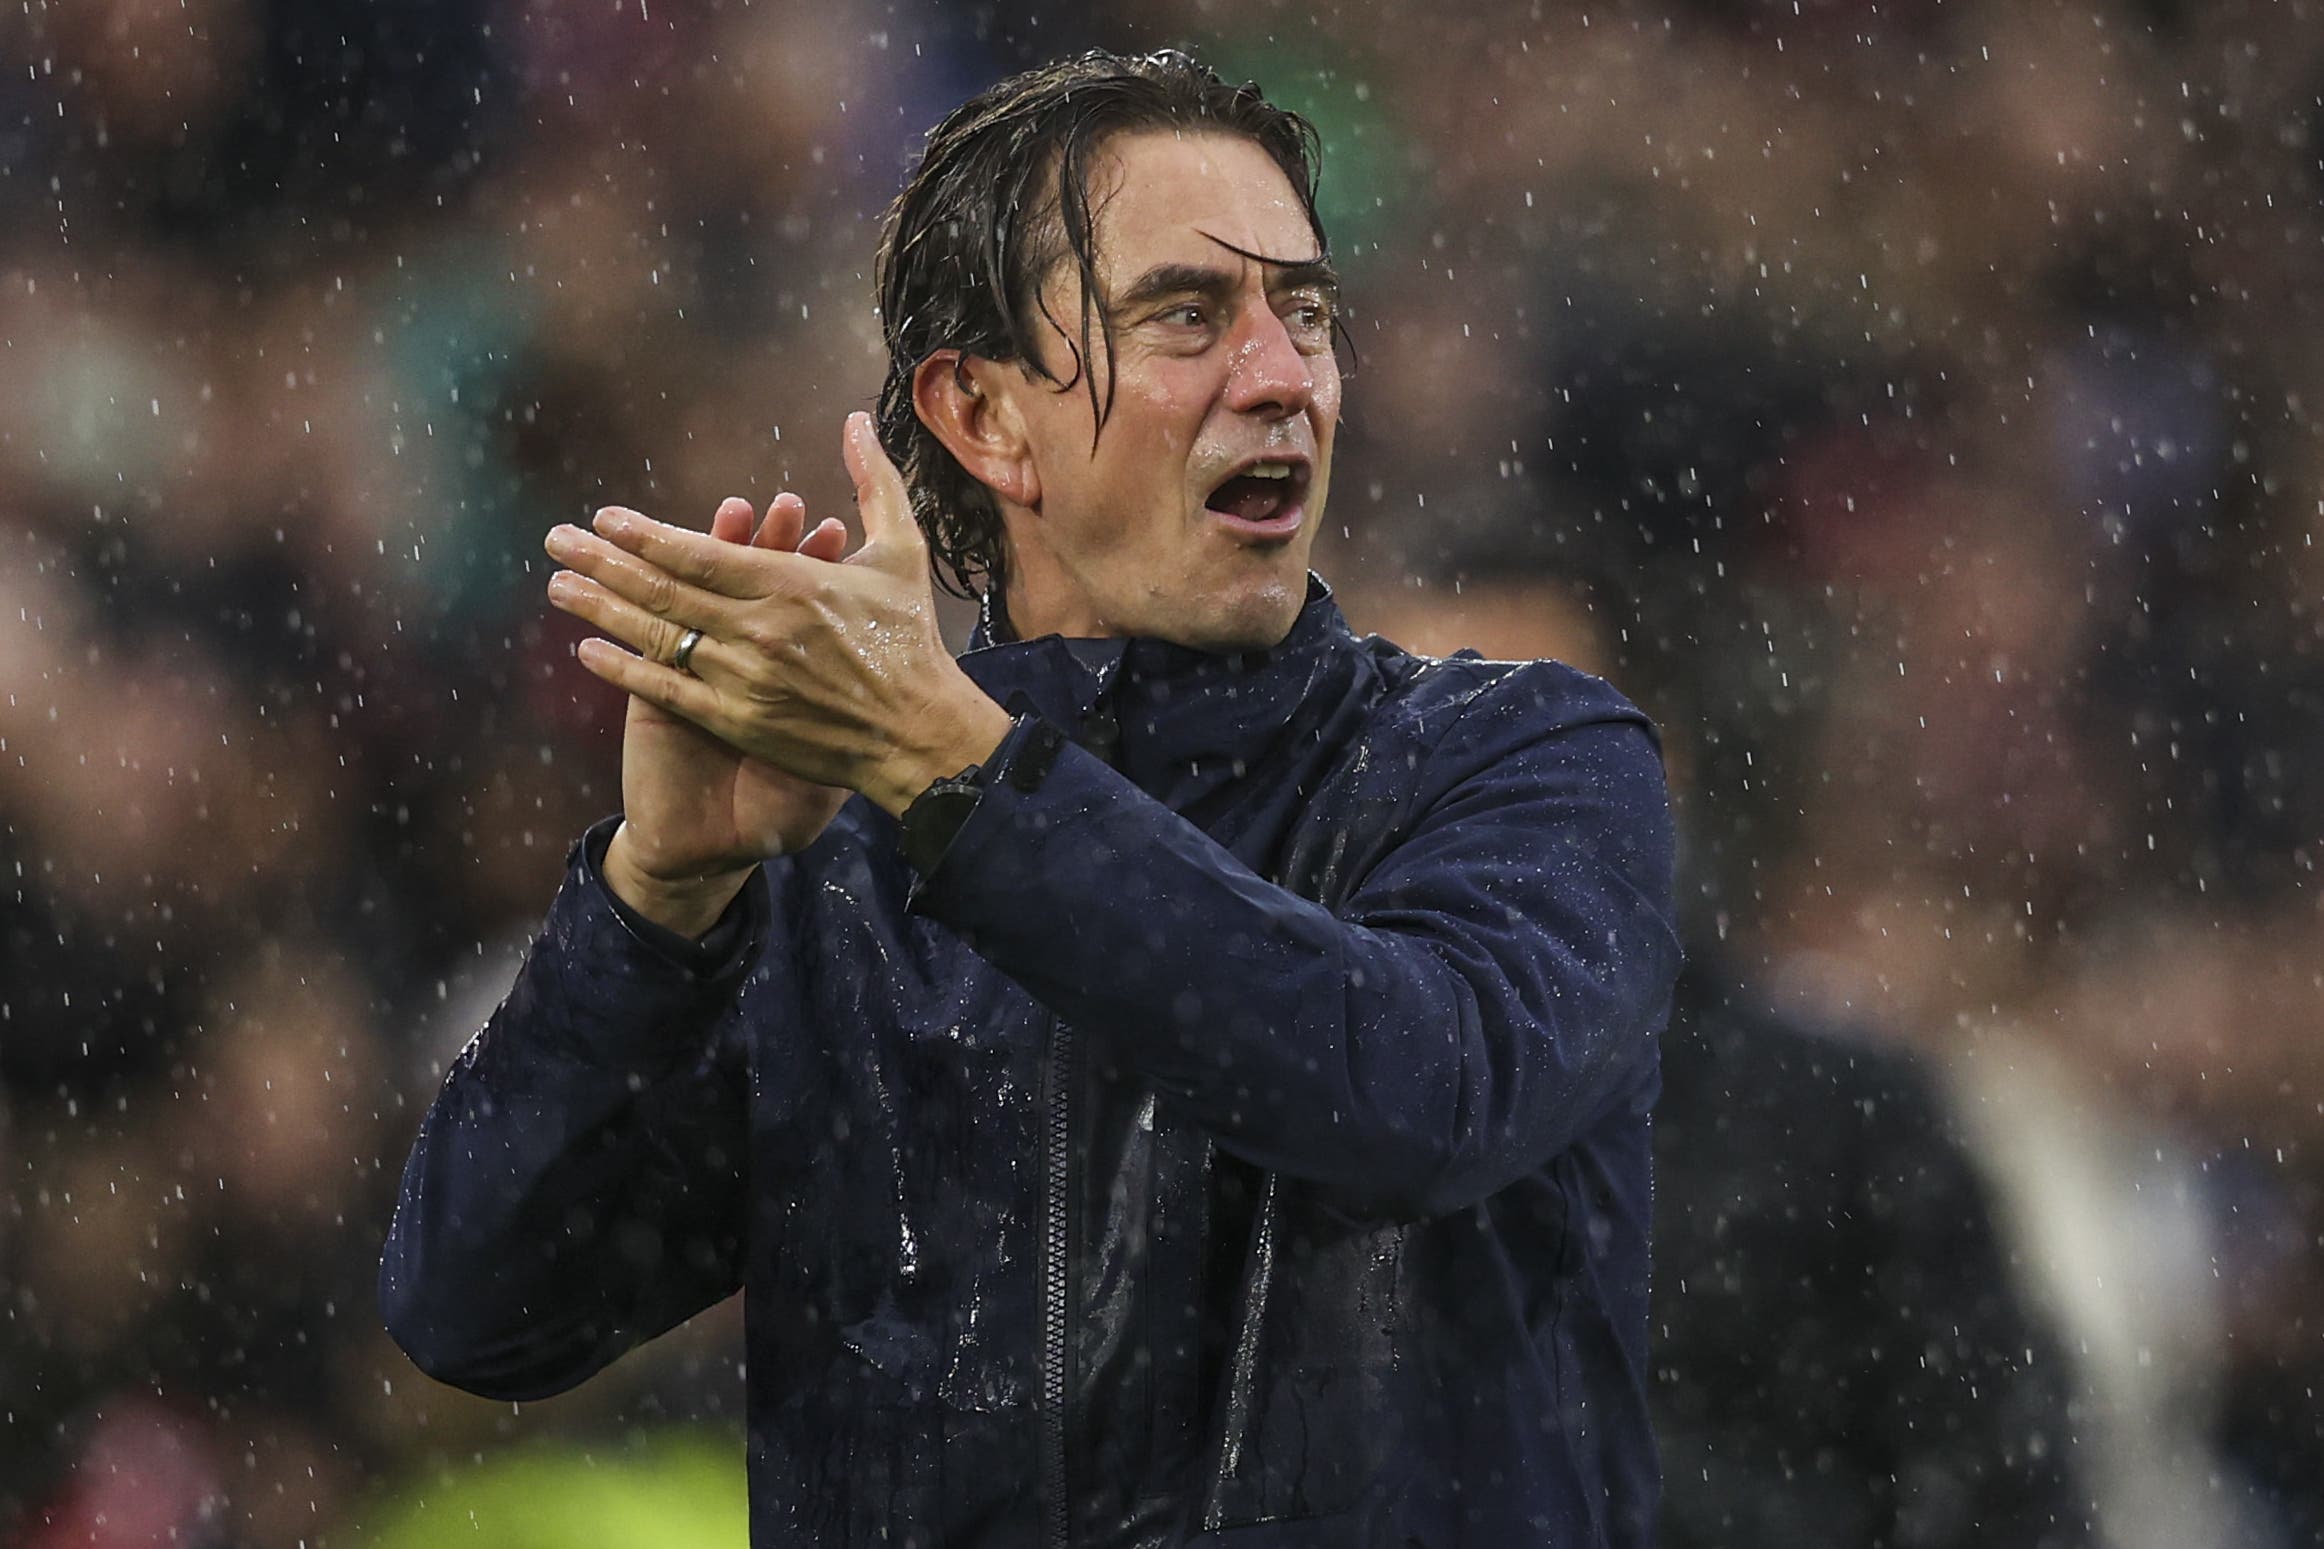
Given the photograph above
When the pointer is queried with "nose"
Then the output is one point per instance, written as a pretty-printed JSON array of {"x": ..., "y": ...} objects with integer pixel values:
[{"x": 1266, "y": 373}]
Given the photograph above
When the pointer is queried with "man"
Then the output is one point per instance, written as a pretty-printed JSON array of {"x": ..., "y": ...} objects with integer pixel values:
[{"x": 1176, "y": 1069}]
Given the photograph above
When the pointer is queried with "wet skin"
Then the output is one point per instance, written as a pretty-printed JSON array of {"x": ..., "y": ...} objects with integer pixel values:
[
  {"x": 1218, "y": 359},
  {"x": 818, "y": 675}
]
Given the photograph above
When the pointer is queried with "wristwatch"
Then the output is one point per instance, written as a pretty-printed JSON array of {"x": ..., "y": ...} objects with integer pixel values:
[{"x": 935, "y": 817}]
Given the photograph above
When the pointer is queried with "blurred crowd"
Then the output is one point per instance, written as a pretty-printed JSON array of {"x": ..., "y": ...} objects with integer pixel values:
[{"x": 1912, "y": 403}]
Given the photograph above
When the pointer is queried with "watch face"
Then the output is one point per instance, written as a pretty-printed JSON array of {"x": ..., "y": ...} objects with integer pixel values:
[{"x": 935, "y": 817}]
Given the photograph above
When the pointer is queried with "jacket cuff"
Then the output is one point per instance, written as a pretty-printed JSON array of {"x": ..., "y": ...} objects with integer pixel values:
[
  {"x": 600, "y": 985},
  {"x": 1004, "y": 849},
  {"x": 713, "y": 954},
  {"x": 1020, "y": 765}
]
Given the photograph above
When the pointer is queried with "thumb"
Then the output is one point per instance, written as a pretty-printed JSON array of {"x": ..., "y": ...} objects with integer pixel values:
[{"x": 880, "y": 496}]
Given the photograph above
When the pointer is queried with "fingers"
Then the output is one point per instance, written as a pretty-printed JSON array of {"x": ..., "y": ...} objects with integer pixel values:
[
  {"x": 731, "y": 522},
  {"x": 726, "y": 569},
  {"x": 650, "y": 610},
  {"x": 677, "y": 692},
  {"x": 624, "y": 575},
  {"x": 652, "y": 635},
  {"x": 879, "y": 491},
  {"x": 685, "y": 575},
  {"x": 780, "y": 531},
  {"x": 827, "y": 541}
]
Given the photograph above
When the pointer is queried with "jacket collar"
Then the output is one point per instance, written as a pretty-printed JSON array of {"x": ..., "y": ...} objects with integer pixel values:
[{"x": 1180, "y": 722}]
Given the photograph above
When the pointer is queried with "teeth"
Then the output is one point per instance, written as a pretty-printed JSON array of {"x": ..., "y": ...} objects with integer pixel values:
[{"x": 1268, "y": 471}]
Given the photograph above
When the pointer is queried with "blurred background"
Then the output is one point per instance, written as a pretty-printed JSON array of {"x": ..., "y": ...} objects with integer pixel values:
[{"x": 1912, "y": 403}]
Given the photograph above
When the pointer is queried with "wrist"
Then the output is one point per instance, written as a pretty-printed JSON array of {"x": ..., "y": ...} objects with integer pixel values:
[
  {"x": 963, "y": 730},
  {"x": 685, "y": 905}
]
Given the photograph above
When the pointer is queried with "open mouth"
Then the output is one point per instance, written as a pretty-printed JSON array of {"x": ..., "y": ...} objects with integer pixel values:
[{"x": 1264, "y": 499}]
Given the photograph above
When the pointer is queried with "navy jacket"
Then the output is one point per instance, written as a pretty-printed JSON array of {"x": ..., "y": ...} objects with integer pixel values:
[{"x": 1240, "y": 1138}]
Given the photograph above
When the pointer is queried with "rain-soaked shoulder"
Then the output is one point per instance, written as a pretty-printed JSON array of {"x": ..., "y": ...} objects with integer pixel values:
[{"x": 1434, "y": 691}]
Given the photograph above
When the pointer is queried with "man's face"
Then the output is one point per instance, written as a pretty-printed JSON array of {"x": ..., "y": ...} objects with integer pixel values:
[{"x": 1190, "y": 515}]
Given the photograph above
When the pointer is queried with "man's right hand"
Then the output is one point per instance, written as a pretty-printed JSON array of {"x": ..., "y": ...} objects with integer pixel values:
[{"x": 698, "y": 816}]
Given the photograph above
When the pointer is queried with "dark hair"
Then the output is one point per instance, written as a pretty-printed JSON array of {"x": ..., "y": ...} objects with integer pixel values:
[{"x": 1000, "y": 197}]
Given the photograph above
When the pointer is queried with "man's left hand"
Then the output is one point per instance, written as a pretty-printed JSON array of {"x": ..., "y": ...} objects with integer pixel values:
[{"x": 835, "y": 672}]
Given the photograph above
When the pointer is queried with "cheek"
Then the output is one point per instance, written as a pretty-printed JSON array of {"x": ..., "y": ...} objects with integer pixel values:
[
  {"x": 1173, "y": 393},
  {"x": 1175, "y": 416},
  {"x": 1326, "y": 411},
  {"x": 1158, "y": 431}
]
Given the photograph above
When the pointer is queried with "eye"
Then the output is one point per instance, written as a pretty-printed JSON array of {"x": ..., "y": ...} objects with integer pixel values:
[
  {"x": 1310, "y": 317},
  {"x": 1185, "y": 314}
]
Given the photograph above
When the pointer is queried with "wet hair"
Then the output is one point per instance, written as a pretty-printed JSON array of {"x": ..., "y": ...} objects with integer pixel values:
[{"x": 1000, "y": 197}]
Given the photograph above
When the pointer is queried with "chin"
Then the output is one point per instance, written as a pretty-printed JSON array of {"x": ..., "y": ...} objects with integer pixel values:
[{"x": 1255, "y": 617}]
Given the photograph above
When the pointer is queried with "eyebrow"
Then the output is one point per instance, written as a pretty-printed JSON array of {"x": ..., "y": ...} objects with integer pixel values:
[{"x": 1211, "y": 281}]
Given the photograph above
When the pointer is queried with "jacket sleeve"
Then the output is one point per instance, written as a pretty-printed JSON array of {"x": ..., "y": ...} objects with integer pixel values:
[
  {"x": 1485, "y": 992},
  {"x": 576, "y": 1186}
]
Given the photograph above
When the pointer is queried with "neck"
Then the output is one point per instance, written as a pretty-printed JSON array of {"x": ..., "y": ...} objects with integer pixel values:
[{"x": 1041, "y": 600}]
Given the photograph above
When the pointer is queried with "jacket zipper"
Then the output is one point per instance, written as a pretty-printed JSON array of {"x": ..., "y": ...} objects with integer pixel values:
[
  {"x": 1100, "y": 734},
  {"x": 1056, "y": 1222}
]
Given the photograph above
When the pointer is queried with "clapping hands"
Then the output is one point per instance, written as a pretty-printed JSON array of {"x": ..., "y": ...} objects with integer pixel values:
[{"x": 817, "y": 673}]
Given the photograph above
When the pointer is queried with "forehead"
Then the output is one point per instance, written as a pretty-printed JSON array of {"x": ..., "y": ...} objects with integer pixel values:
[{"x": 1163, "y": 196}]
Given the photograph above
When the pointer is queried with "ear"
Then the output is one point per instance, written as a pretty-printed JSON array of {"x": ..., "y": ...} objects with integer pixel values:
[{"x": 969, "y": 403}]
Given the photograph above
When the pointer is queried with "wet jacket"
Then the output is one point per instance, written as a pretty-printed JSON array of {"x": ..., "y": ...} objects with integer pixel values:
[{"x": 1238, "y": 1137}]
